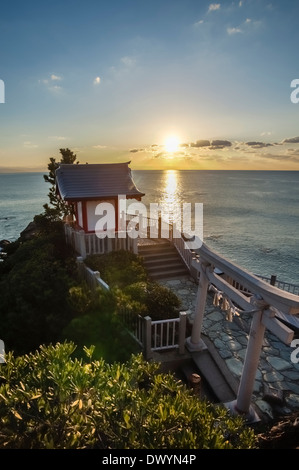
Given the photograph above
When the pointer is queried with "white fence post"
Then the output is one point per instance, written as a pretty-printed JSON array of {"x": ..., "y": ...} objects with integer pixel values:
[
  {"x": 147, "y": 337},
  {"x": 82, "y": 244},
  {"x": 182, "y": 332}
]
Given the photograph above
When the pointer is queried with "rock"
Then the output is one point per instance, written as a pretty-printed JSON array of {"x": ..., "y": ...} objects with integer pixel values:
[
  {"x": 3, "y": 244},
  {"x": 29, "y": 231},
  {"x": 273, "y": 396}
]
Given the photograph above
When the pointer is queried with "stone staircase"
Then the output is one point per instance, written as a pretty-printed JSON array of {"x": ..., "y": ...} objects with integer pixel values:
[{"x": 162, "y": 261}]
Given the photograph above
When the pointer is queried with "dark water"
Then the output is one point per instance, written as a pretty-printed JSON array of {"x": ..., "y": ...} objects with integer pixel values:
[{"x": 250, "y": 217}]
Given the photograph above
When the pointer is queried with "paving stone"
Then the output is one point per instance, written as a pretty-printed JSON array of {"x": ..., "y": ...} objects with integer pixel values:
[
  {"x": 215, "y": 316},
  {"x": 293, "y": 400},
  {"x": 225, "y": 354},
  {"x": 219, "y": 344},
  {"x": 273, "y": 376},
  {"x": 231, "y": 326},
  {"x": 234, "y": 345},
  {"x": 224, "y": 336},
  {"x": 293, "y": 387},
  {"x": 183, "y": 292},
  {"x": 265, "y": 408},
  {"x": 269, "y": 351},
  {"x": 242, "y": 354},
  {"x": 291, "y": 374},
  {"x": 235, "y": 366},
  {"x": 174, "y": 282},
  {"x": 278, "y": 364},
  {"x": 243, "y": 339},
  {"x": 215, "y": 327},
  {"x": 257, "y": 386}
]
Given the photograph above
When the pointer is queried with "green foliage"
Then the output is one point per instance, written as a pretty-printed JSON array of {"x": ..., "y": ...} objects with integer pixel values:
[
  {"x": 50, "y": 400},
  {"x": 118, "y": 268},
  {"x": 159, "y": 301},
  {"x": 135, "y": 293},
  {"x": 101, "y": 328},
  {"x": 35, "y": 280},
  {"x": 57, "y": 208}
]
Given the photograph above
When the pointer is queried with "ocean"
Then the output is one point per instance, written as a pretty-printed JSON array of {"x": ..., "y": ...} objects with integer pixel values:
[{"x": 250, "y": 217}]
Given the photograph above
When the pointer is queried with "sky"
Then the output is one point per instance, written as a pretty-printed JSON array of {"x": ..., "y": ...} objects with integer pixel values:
[{"x": 165, "y": 84}]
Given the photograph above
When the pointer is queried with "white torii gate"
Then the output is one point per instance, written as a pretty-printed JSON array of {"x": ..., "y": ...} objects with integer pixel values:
[{"x": 264, "y": 300}]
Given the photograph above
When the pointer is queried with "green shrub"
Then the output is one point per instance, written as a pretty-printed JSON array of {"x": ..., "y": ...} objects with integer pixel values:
[
  {"x": 160, "y": 302},
  {"x": 118, "y": 268},
  {"x": 50, "y": 400},
  {"x": 34, "y": 281}
]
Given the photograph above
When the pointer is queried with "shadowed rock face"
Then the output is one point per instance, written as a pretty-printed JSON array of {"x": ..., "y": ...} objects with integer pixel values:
[
  {"x": 29, "y": 231},
  {"x": 281, "y": 434},
  {"x": 3, "y": 244}
]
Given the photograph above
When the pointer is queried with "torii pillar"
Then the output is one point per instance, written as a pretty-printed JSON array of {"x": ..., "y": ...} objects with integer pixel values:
[{"x": 194, "y": 342}]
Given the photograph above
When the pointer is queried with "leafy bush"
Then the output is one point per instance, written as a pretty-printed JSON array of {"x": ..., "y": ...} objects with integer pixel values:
[
  {"x": 35, "y": 279},
  {"x": 159, "y": 301},
  {"x": 118, "y": 268},
  {"x": 136, "y": 293},
  {"x": 50, "y": 400}
]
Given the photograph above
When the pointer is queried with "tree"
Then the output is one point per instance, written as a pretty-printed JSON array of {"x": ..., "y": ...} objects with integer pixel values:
[
  {"x": 59, "y": 208},
  {"x": 34, "y": 282}
]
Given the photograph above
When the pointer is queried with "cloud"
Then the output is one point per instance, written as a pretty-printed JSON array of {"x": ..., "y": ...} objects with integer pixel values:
[
  {"x": 200, "y": 143},
  {"x": 57, "y": 137},
  {"x": 97, "y": 81},
  {"x": 99, "y": 146},
  {"x": 55, "y": 89},
  {"x": 29, "y": 145},
  {"x": 128, "y": 61},
  {"x": 214, "y": 7},
  {"x": 258, "y": 145},
  {"x": 232, "y": 31},
  {"x": 49, "y": 83},
  {"x": 220, "y": 144},
  {"x": 55, "y": 77},
  {"x": 288, "y": 158},
  {"x": 198, "y": 23},
  {"x": 293, "y": 140},
  {"x": 266, "y": 133}
]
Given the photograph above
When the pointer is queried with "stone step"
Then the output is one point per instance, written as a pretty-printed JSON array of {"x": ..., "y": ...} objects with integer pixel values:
[
  {"x": 212, "y": 373},
  {"x": 155, "y": 255},
  {"x": 166, "y": 267},
  {"x": 170, "y": 260},
  {"x": 162, "y": 260},
  {"x": 168, "y": 274},
  {"x": 186, "y": 370}
]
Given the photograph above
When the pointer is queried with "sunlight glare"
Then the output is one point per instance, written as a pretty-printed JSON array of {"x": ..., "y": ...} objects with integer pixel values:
[{"x": 172, "y": 144}]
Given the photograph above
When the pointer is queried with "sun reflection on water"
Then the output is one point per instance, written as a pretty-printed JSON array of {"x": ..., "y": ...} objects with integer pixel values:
[{"x": 171, "y": 195}]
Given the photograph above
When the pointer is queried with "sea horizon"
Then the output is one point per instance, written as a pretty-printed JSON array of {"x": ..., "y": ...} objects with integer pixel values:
[{"x": 250, "y": 216}]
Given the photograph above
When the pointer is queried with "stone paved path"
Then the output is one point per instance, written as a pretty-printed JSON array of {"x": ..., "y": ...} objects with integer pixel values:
[{"x": 276, "y": 374}]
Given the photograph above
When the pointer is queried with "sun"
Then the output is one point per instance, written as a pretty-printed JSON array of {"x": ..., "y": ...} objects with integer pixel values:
[{"x": 172, "y": 144}]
